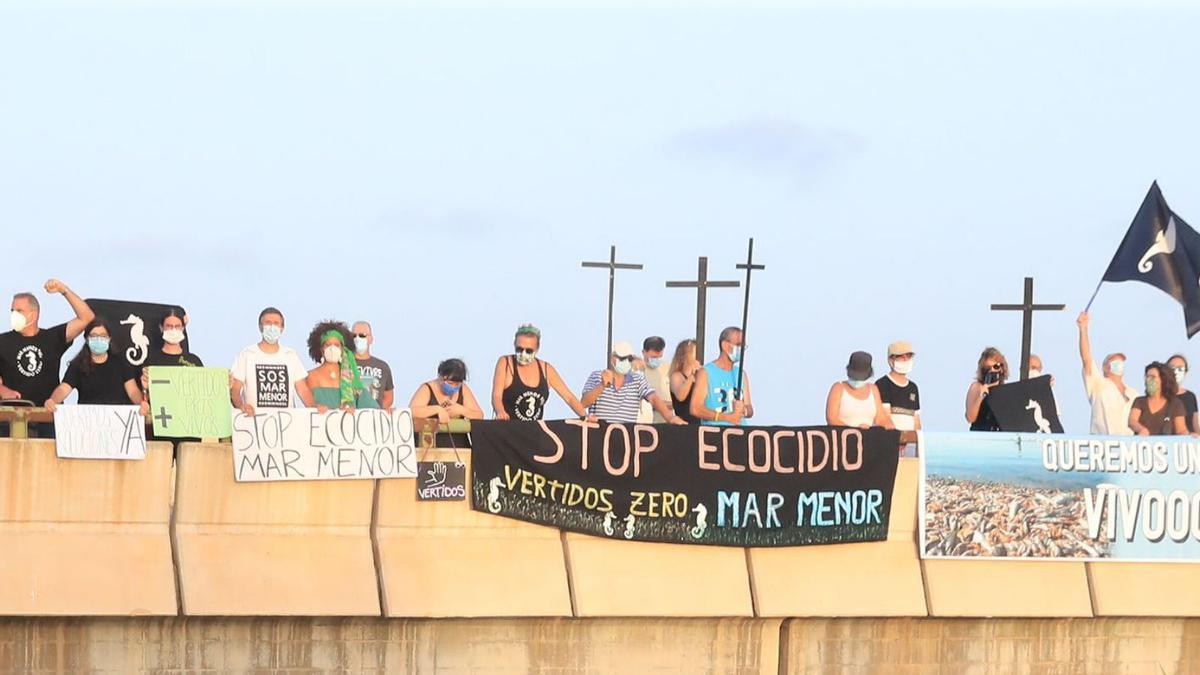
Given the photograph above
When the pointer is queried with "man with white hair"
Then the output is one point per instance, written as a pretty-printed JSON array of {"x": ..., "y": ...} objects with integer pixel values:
[
  {"x": 30, "y": 356},
  {"x": 615, "y": 394}
]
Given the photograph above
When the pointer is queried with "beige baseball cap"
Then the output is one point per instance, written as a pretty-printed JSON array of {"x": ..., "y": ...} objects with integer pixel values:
[{"x": 900, "y": 347}]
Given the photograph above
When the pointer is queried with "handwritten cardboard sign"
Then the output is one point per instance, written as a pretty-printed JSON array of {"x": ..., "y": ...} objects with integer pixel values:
[
  {"x": 99, "y": 432},
  {"x": 190, "y": 402},
  {"x": 303, "y": 444},
  {"x": 441, "y": 481}
]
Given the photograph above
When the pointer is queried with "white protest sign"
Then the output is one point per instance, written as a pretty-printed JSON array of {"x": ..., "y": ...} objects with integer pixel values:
[
  {"x": 303, "y": 444},
  {"x": 99, "y": 432}
]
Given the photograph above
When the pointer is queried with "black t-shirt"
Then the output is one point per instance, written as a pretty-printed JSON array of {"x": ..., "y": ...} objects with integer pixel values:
[
  {"x": 904, "y": 400},
  {"x": 1189, "y": 406},
  {"x": 30, "y": 365},
  {"x": 103, "y": 385},
  {"x": 160, "y": 358}
]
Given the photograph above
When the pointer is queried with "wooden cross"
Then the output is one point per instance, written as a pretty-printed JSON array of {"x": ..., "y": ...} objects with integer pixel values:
[
  {"x": 1027, "y": 308},
  {"x": 612, "y": 265},
  {"x": 702, "y": 284},
  {"x": 749, "y": 266}
]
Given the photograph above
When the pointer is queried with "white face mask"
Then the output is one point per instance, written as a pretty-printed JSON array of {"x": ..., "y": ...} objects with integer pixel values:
[
  {"x": 271, "y": 333},
  {"x": 333, "y": 354},
  {"x": 360, "y": 345},
  {"x": 856, "y": 384},
  {"x": 1034, "y": 372},
  {"x": 903, "y": 367},
  {"x": 1117, "y": 366},
  {"x": 173, "y": 336},
  {"x": 623, "y": 367},
  {"x": 1179, "y": 374},
  {"x": 18, "y": 321}
]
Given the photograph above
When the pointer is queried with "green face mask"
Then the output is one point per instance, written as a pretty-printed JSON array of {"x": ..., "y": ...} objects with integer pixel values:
[{"x": 1152, "y": 387}]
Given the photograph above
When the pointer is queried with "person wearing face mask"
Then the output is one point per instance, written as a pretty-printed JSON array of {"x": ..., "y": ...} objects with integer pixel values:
[
  {"x": 714, "y": 398},
  {"x": 173, "y": 352},
  {"x": 30, "y": 356},
  {"x": 991, "y": 371},
  {"x": 445, "y": 398},
  {"x": 376, "y": 374},
  {"x": 521, "y": 383},
  {"x": 1159, "y": 412},
  {"x": 1178, "y": 364},
  {"x": 898, "y": 393},
  {"x": 101, "y": 379},
  {"x": 335, "y": 382},
  {"x": 856, "y": 401},
  {"x": 1109, "y": 396},
  {"x": 656, "y": 370},
  {"x": 268, "y": 374},
  {"x": 1036, "y": 369},
  {"x": 615, "y": 394}
]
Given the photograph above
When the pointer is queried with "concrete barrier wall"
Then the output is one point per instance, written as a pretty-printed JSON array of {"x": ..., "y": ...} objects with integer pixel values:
[
  {"x": 91, "y": 537},
  {"x": 598, "y": 646},
  {"x": 84, "y": 536},
  {"x": 443, "y": 559},
  {"x": 278, "y": 548}
]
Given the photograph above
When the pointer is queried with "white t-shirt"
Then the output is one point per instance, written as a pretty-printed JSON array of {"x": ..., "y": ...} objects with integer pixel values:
[
  {"x": 269, "y": 380},
  {"x": 661, "y": 383},
  {"x": 1110, "y": 410}
]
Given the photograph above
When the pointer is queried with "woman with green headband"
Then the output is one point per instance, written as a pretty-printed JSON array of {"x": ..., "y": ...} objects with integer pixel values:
[{"x": 335, "y": 382}]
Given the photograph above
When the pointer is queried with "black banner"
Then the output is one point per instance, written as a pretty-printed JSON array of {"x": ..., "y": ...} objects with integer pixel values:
[
  {"x": 729, "y": 486},
  {"x": 1026, "y": 405},
  {"x": 135, "y": 327}
]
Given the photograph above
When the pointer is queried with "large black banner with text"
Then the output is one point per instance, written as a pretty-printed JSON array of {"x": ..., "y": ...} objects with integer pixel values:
[{"x": 729, "y": 486}]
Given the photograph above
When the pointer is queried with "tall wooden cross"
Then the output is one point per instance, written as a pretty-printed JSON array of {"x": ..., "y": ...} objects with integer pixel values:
[
  {"x": 750, "y": 267},
  {"x": 702, "y": 284},
  {"x": 612, "y": 266},
  {"x": 1027, "y": 308}
]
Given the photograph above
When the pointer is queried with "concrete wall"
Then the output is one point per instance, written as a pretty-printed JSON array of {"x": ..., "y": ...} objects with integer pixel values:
[
  {"x": 88, "y": 537},
  {"x": 896, "y": 646},
  {"x": 84, "y": 536}
]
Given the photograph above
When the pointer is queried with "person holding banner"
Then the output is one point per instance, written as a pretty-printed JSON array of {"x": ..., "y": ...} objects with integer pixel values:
[
  {"x": 855, "y": 401},
  {"x": 100, "y": 378},
  {"x": 713, "y": 397},
  {"x": 615, "y": 394},
  {"x": 513, "y": 398},
  {"x": 1110, "y": 397},
  {"x": 1178, "y": 364},
  {"x": 335, "y": 384},
  {"x": 991, "y": 371},
  {"x": 1159, "y": 412},
  {"x": 684, "y": 367},
  {"x": 267, "y": 374}
]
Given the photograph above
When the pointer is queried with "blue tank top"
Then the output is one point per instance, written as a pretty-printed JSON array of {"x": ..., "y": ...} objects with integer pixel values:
[{"x": 721, "y": 386}]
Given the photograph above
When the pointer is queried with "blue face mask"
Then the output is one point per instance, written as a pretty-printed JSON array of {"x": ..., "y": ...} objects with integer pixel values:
[
  {"x": 736, "y": 354},
  {"x": 856, "y": 384},
  {"x": 98, "y": 345},
  {"x": 654, "y": 362},
  {"x": 450, "y": 389},
  {"x": 271, "y": 333}
]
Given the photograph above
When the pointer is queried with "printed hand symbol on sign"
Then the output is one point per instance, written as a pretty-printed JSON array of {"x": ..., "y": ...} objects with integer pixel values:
[{"x": 437, "y": 475}]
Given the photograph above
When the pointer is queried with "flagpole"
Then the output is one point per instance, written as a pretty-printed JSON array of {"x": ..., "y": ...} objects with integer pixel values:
[{"x": 1094, "y": 294}]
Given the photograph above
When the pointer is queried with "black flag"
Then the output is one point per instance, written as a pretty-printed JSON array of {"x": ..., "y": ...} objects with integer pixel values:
[
  {"x": 135, "y": 327},
  {"x": 1162, "y": 250},
  {"x": 1025, "y": 405}
]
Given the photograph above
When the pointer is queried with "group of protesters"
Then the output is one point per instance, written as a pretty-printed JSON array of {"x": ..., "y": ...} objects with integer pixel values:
[{"x": 637, "y": 386}]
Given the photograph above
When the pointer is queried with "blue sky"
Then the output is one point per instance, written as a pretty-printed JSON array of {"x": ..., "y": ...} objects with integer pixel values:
[{"x": 442, "y": 171}]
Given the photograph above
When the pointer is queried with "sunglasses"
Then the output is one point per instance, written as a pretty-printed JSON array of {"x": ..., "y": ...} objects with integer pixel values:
[
  {"x": 625, "y": 358},
  {"x": 526, "y": 350},
  {"x": 361, "y": 335},
  {"x": 997, "y": 366}
]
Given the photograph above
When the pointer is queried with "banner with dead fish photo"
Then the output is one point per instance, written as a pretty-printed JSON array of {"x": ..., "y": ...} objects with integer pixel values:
[{"x": 1003, "y": 496}]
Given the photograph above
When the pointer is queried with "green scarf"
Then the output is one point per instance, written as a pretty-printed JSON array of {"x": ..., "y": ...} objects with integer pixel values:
[{"x": 349, "y": 383}]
